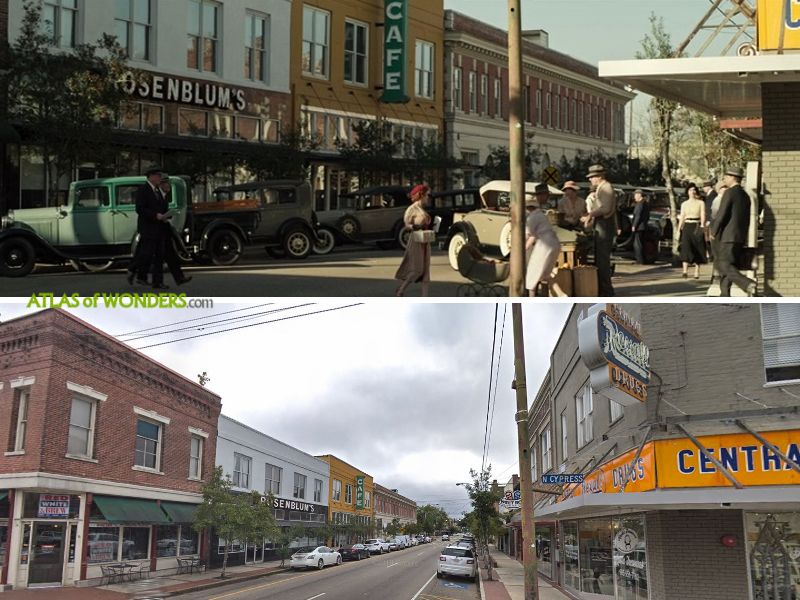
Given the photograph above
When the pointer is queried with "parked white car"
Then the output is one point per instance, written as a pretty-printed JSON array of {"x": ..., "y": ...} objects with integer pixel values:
[
  {"x": 377, "y": 546},
  {"x": 401, "y": 542},
  {"x": 456, "y": 560},
  {"x": 445, "y": 537},
  {"x": 318, "y": 558}
]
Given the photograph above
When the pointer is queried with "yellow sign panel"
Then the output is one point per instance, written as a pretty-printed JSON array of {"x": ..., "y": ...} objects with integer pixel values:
[
  {"x": 774, "y": 16},
  {"x": 681, "y": 465},
  {"x": 610, "y": 477}
]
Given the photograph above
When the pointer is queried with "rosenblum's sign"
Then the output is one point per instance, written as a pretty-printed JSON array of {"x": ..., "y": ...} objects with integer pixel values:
[
  {"x": 175, "y": 89},
  {"x": 678, "y": 463},
  {"x": 776, "y": 18},
  {"x": 611, "y": 347},
  {"x": 283, "y": 504}
]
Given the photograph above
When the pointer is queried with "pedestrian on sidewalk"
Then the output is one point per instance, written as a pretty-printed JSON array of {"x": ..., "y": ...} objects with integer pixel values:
[
  {"x": 541, "y": 243},
  {"x": 150, "y": 226},
  {"x": 416, "y": 264},
  {"x": 641, "y": 217},
  {"x": 168, "y": 239},
  {"x": 603, "y": 218},
  {"x": 571, "y": 205},
  {"x": 691, "y": 227}
]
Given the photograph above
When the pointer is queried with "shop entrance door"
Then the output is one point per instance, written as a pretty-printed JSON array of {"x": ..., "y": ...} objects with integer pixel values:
[
  {"x": 255, "y": 553},
  {"x": 47, "y": 553}
]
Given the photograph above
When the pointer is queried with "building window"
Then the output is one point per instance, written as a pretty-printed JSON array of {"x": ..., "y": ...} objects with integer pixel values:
[
  {"x": 538, "y": 106},
  {"x": 602, "y": 122},
  {"x": 457, "y": 89},
  {"x": 176, "y": 540},
  {"x": 588, "y": 122},
  {"x": 547, "y": 454},
  {"x": 315, "y": 42},
  {"x": 132, "y": 26},
  {"x": 299, "y": 486},
  {"x": 337, "y": 490},
  {"x": 256, "y": 34},
  {"x": 81, "y": 427},
  {"x": 317, "y": 490},
  {"x": 59, "y": 22},
  {"x": 192, "y": 122},
  {"x": 564, "y": 452},
  {"x": 565, "y": 114},
  {"x": 780, "y": 326},
  {"x": 424, "y": 69},
  {"x": 534, "y": 470},
  {"x": 548, "y": 109},
  {"x": 595, "y": 120},
  {"x": 21, "y": 430},
  {"x": 202, "y": 30},
  {"x": 272, "y": 479},
  {"x": 574, "y": 115},
  {"x": 616, "y": 410},
  {"x": 580, "y": 118},
  {"x": 473, "y": 93},
  {"x": 241, "y": 470},
  {"x": 498, "y": 98},
  {"x": 583, "y": 411},
  {"x": 526, "y": 104},
  {"x": 148, "y": 442},
  {"x": 366, "y": 499},
  {"x": 142, "y": 116},
  {"x": 557, "y": 115},
  {"x": 196, "y": 457},
  {"x": 348, "y": 493},
  {"x": 484, "y": 94},
  {"x": 471, "y": 160},
  {"x": 356, "y": 40}
]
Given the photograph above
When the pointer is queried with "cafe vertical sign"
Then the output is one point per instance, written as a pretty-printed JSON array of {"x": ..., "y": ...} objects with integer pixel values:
[
  {"x": 359, "y": 492},
  {"x": 611, "y": 346},
  {"x": 394, "y": 51}
]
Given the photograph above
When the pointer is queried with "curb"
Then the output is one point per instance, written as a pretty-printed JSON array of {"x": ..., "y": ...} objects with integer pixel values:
[{"x": 208, "y": 586}]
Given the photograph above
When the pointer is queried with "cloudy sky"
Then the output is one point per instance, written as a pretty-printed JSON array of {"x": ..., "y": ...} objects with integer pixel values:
[{"x": 398, "y": 390}]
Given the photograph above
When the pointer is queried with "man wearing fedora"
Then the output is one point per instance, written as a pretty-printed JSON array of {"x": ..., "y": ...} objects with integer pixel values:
[
  {"x": 729, "y": 229},
  {"x": 603, "y": 217}
]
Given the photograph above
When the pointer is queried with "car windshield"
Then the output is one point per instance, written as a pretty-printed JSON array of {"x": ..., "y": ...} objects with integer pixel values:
[
  {"x": 462, "y": 552},
  {"x": 304, "y": 550}
]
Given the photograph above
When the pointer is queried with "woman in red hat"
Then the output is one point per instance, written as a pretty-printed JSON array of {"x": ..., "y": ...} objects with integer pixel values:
[{"x": 416, "y": 264}]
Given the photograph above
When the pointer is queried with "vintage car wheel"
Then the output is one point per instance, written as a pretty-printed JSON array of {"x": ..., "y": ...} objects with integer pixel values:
[
  {"x": 326, "y": 241},
  {"x": 297, "y": 243},
  {"x": 505, "y": 239},
  {"x": 402, "y": 235},
  {"x": 96, "y": 266},
  {"x": 17, "y": 257},
  {"x": 224, "y": 247},
  {"x": 349, "y": 227},
  {"x": 458, "y": 241}
]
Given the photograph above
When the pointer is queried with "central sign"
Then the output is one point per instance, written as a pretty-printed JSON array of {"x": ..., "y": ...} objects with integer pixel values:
[
  {"x": 359, "y": 492},
  {"x": 776, "y": 17},
  {"x": 395, "y": 27}
]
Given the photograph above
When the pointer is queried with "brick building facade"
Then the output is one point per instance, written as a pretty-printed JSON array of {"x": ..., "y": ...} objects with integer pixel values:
[
  {"x": 391, "y": 505},
  {"x": 105, "y": 454},
  {"x": 668, "y": 524}
]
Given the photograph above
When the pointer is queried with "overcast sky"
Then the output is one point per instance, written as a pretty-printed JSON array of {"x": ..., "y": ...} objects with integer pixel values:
[{"x": 398, "y": 390}]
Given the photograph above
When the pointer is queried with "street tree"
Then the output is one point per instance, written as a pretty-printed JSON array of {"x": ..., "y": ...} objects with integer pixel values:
[
  {"x": 484, "y": 520},
  {"x": 66, "y": 101},
  {"x": 371, "y": 152},
  {"x": 393, "y": 528},
  {"x": 431, "y": 518},
  {"x": 285, "y": 537},
  {"x": 497, "y": 164}
]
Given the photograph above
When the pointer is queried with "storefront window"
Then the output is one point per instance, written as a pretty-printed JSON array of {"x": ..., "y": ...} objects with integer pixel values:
[
  {"x": 50, "y": 506},
  {"x": 544, "y": 550},
  {"x": 192, "y": 122},
  {"x": 190, "y": 540},
  {"x": 135, "y": 542},
  {"x": 630, "y": 558},
  {"x": 773, "y": 548},
  {"x": 3, "y": 539},
  {"x": 595, "y": 548},
  {"x": 103, "y": 544},
  {"x": 167, "y": 537},
  {"x": 248, "y": 129},
  {"x": 572, "y": 573}
]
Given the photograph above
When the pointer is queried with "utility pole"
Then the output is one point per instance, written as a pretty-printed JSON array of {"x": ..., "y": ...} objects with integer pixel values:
[
  {"x": 531, "y": 584},
  {"x": 516, "y": 153}
]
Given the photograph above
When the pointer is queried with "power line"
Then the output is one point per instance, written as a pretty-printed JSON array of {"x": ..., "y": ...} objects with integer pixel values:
[
  {"x": 489, "y": 395},
  {"x": 227, "y": 312},
  {"x": 199, "y": 335},
  {"x": 497, "y": 377}
]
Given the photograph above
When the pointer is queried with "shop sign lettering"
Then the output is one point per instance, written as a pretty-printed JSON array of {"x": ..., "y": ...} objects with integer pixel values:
[
  {"x": 283, "y": 504},
  {"x": 776, "y": 19},
  {"x": 394, "y": 51},
  {"x": 53, "y": 507},
  {"x": 359, "y": 492},
  {"x": 175, "y": 89},
  {"x": 511, "y": 500}
]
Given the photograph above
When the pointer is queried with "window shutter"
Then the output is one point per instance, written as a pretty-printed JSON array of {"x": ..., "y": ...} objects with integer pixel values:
[{"x": 781, "y": 335}]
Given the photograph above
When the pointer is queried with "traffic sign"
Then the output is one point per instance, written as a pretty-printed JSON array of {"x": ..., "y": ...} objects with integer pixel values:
[
  {"x": 562, "y": 478},
  {"x": 551, "y": 175}
]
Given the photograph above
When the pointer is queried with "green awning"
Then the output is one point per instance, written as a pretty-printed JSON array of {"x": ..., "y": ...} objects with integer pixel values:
[
  {"x": 178, "y": 512},
  {"x": 130, "y": 510},
  {"x": 3, "y": 496}
]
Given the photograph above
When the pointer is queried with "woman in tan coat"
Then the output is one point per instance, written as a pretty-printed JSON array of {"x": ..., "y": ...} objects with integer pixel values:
[{"x": 416, "y": 264}]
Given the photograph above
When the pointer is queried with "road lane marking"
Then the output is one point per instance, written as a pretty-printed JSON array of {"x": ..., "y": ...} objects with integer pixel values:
[
  {"x": 392, "y": 565},
  {"x": 418, "y": 553},
  {"x": 317, "y": 596},
  {"x": 423, "y": 587},
  {"x": 259, "y": 587}
]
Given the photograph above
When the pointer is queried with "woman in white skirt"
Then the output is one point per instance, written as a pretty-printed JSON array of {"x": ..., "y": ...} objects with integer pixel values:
[{"x": 541, "y": 243}]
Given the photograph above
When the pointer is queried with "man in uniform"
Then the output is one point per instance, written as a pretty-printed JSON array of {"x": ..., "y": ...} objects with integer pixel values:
[{"x": 603, "y": 216}]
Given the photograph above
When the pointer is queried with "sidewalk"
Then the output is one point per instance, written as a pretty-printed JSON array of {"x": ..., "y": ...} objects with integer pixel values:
[
  {"x": 158, "y": 586},
  {"x": 510, "y": 586}
]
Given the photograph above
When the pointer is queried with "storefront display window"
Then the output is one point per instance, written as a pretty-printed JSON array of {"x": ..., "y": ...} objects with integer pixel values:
[
  {"x": 167, "y": 537},
  {"x": 596, "y": 565},
  {"x": 103, "y": 544},
  {"x": 135, "y": 542},
  {"x": 630, "y": 558},
  {"x": 50, "y": 506},
  {"x": 3, "y": 539},
  {"x": 544, "y": 550},
  {"x": 773, "y": 550},
  {"x": 572, "y": 573},
  {"x": 190, "y": 540}
]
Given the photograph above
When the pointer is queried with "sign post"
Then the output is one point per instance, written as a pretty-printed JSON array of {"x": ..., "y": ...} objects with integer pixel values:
[{"x": 394, "y": 51}]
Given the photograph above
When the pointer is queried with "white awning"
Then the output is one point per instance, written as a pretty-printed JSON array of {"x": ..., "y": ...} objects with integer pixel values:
[{"x": 726, "y": 86}]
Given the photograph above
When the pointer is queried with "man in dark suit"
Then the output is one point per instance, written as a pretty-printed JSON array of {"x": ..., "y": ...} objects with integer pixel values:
[
  {"x": 151, "y": 208},
  {"x": 641, "y": 216},
  {"x": 729, "y": 230},
  {"x": 170, "y": 255}
]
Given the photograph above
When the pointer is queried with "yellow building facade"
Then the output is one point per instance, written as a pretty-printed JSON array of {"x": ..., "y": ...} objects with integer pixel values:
[
  {"x": 337, "y": 77},
  {"x": 345, "y": 491}
]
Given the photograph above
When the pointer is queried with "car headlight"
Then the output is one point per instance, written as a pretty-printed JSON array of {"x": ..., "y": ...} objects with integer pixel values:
[{"x": 7, "y": 221}]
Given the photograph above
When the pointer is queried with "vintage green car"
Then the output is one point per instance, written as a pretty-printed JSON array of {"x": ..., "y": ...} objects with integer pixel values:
[{"x": 95, "y": 228}]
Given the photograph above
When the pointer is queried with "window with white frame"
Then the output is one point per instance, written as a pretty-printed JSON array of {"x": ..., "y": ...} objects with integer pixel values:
[
  {"x": 272, "y": 479},
  {"x": 526, "y": 101},
  {"x": 366, "y": 499},
  {"x": 196, "y": 457},
  {"x": 564, "y": 438},
  {"x": 242, "y": 467},
  {"x": 203, "y": 35},
  {"x": 616, "y": 410},
  {"x": 574, "y": 115},
  {"x": 565, "y": 113},
  {"x": 81, "y": 427},
  {"x": 534, "y": 470},
  {"x": 256, "y": 36},
  {"x": 473, "y": 92},
  {"x": 458, "y": 90},
  {"x": 316, "y": 28},
  {"x": 547, "y": 450},
  {"x": 498, "y": 98},
  {"x": 148, "y": 444},
  {"x": 583, "y": 413},
  {"x": 299, "y": 490},
  {"x": 317, "y": 490},
  {"x": 484, "y": 94},
  {"x": 337, "y": 490},
  {"x": 348, "y": 493},
  {"x": 539, "y": 107},
  {"x": 132, "y": 28},
  {"x": 780, "y": 328},
  {"x": 580, "y": 117},
  {"x": 423, "y": 69},
  {"x": 60, "y": 22},
  {"x": 356, "y": 46},
  {"x": 557, "y": 111},
  {"x": 21, "y": 399},
  {"x": 548, "y": 109}
]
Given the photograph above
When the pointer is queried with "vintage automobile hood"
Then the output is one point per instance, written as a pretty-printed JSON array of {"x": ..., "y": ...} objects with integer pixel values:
[
  {"x": 331, "y": 217},
  {"x": 44, "y": 221}
]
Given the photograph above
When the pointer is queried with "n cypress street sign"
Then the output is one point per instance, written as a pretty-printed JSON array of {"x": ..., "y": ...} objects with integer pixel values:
[
  {"x": 359, "y": 492},
  {"x": 394, "y": 51},
  {"x": 561, "y": 478}
]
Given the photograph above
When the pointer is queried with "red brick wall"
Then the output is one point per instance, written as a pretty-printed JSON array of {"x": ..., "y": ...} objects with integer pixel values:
[{"x": 61, "y": 349}]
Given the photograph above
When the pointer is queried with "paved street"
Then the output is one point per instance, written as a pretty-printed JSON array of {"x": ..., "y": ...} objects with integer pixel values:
[{"x": 354, "y": 271}]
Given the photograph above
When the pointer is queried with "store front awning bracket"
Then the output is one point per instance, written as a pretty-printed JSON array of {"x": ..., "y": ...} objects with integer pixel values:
[
  {"x": 711, "y": 458},
  {"x": 635, "y": 458},
  {"x": 733, "y": 414},
  {"x": 769, "y": 445},
  {"x": 592, "y": 470}
]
